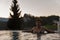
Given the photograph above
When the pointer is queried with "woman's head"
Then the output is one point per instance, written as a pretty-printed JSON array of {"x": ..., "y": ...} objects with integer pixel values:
[{"x": 38, "y": 22}]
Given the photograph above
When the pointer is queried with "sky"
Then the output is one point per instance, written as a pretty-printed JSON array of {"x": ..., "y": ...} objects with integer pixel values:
[{"x": 33, "y": 7}]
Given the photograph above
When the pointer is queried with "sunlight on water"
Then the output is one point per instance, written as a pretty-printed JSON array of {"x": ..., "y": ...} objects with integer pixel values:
[
  {"x": 7, "y": 35},
  {"x": 28, "y": 36}
]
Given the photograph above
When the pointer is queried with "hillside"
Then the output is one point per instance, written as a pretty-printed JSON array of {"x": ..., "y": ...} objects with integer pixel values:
[{"x": 3, "y": 23}]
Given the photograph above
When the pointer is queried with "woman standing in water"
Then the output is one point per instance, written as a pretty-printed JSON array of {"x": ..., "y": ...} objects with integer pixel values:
[{"x": 38, "y": 29}]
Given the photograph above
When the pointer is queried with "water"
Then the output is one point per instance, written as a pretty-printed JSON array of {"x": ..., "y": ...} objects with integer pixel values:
[{"x": 7, "y": 35}]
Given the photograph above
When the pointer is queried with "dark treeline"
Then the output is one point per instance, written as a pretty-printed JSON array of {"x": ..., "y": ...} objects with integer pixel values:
[
  {"x": 29, "y": 21},
  {"x": 49, "y": 20}
]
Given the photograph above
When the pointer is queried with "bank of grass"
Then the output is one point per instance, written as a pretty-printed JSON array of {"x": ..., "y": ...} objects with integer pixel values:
[{"x": 52, "y": 27}]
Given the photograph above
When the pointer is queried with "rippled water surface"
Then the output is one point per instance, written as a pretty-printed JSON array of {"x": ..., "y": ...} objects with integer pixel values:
[{"x": 7, "y": 35}]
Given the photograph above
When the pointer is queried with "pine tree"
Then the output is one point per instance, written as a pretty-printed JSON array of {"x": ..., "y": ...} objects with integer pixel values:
[{"x": 14, "y": 21}]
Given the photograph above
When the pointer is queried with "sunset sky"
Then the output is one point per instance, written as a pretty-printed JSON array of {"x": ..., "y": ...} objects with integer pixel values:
[{"x": 33, "y": 7}]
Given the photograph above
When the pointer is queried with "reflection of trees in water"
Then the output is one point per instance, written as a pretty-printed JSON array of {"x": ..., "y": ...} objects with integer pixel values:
[{"x": 15, "y": 35}]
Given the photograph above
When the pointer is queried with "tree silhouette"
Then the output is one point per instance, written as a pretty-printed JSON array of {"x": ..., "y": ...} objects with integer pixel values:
[{"x": 14, "y": 21}]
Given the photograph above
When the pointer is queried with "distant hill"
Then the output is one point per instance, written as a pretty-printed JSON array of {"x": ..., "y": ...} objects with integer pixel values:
[
  {"x": 4, "y": 19},
  {"x": 3, "y": 23}
]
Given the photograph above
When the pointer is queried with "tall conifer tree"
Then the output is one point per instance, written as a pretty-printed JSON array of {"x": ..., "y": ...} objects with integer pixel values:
[{"x": 14, "y": 21}]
